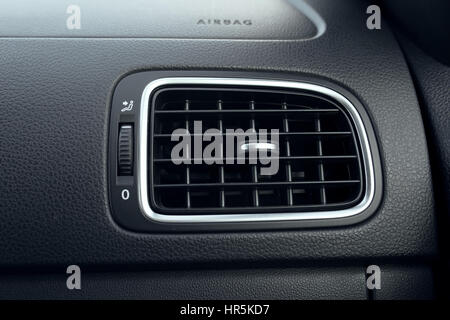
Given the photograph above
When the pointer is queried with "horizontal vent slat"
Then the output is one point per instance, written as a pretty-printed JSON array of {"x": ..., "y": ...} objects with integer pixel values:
[
  {"x": 280, "y": 111},
  {"x": 336, "y": 133},
  {"x": 256, "y": 184},
  {"x": 247, "y": 159}
]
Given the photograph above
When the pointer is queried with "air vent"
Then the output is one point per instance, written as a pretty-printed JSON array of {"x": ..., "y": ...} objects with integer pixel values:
[{"x": 315, "y": 141}]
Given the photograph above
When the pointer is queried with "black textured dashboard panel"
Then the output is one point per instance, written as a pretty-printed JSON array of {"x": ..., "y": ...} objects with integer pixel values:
[
  {"x": 315, "y": 283},
  {"x": 432, "y": 80},
  {"x": 265, "y": 283},
  {"x": 55, "y": 100}
]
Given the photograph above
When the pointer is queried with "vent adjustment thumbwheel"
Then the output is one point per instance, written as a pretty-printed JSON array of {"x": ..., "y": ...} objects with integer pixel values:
[{"x": 125, "y": 150}]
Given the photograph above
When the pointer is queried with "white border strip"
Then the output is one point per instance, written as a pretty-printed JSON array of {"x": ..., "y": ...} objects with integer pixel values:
[{"x": 142, "y": 152}]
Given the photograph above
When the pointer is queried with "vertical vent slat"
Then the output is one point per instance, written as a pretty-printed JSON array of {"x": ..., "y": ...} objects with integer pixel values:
[
  {"x": 188, "y": 177},
  {"x": 323, "y": 195},
  {"x": 318, "y": 159},
  {"x": 253, "y": 167},
  {"x": 221, "y": 168},
  {"x": 290, "y": 198}
]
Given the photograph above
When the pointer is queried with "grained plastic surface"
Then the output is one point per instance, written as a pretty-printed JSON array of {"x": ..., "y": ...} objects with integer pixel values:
[{"x": 55, "y": 100}]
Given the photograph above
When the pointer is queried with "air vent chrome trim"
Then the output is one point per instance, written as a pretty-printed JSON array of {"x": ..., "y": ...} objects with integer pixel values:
[{"x": 142, "y": 154}]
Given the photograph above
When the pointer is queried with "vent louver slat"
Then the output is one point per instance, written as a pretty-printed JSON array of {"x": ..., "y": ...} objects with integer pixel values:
[{"x": 319, "y": 159}]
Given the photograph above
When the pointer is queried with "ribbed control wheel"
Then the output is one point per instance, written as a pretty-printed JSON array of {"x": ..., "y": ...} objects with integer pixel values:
[{"x": 125, "y": 150}]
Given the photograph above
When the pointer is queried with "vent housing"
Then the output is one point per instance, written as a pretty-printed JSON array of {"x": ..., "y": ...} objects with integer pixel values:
[{"x": 320, "y": 162}]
